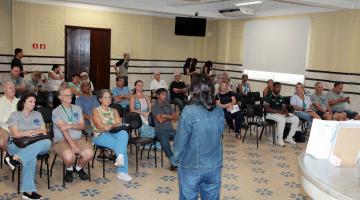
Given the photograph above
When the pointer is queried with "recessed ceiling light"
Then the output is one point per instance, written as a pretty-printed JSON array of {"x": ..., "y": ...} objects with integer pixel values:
[{"x": 248, "y": 3}]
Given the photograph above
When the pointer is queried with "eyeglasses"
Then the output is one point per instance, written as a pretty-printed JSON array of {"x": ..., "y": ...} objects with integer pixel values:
[
  {"x": 107, "y": 97},
  {"x": 67, "y": 95}
]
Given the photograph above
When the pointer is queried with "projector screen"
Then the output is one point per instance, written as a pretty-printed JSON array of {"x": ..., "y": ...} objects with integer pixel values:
[{"x": 276, "y": 45}]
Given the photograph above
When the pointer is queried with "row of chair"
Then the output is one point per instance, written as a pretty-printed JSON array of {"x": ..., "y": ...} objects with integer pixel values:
[{"x": 134, "y": 121}]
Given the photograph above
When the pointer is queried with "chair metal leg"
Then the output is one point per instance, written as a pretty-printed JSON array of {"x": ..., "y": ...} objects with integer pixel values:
[
  {"x": 137, "y": 161},
  {"x": 94, "y": 157},
  {"x": 155, "y": 154},
  {"x": 1, "y": 158},
  {"x": 103, "y": 162},
  {"x": 40, "y": 171},
  {"x": 19, "y": 169},
  {"x": 262, "y": 131},
  {"x": 47, "y": 172},
  {"x": 162, "y": 158},
  {"x": 13, "y": 175},
  {"x": 257, "y": 138},
  {"x": 52, "y": 165},
  {"x": 274, "y": 135},
  {"x": 89, "y": 171},
  {"x": 249, "y": 127},
  {"x": 63, "y": 174},
  {"x": 142, "y": 150}
]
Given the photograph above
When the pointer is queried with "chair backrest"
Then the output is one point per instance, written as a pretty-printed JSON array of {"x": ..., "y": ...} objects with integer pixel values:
[
  {"x": 118, "y": 108},
  {"x": 250, "y": 110},
  {"x": 151, "y": 120},
  {"x": 258, "y": 110},
  {"x": 133, "y": 119},
  {"x": 46, "y": 113},
  {"x": 287, "y": 100},
  {"x": 255, "y": 95},
  {"x": 42, "y": 98}
]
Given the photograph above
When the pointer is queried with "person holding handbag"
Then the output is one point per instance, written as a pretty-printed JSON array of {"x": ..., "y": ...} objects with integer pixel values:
[
  {"x": 104, "y": 119},
  {"x": 226, "y": 100},
  {"x": 26, "y": 122}
]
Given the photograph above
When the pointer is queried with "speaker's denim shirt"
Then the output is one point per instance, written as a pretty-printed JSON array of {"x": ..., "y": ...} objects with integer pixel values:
[{"x": 198, "y": 141}]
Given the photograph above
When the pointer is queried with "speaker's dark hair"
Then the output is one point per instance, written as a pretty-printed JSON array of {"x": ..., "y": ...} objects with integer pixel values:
[{"x": 202, "y": 91}]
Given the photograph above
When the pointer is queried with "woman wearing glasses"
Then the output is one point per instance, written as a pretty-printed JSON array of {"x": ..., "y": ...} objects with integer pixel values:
[{"x": 104, "y": 119}]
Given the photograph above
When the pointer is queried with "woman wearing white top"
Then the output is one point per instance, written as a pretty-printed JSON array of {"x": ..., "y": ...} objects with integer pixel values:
[
  {"x": 85, "y": 77},
  {"x": 302, "y": 105},
  {"x": 55, "y": 78}
]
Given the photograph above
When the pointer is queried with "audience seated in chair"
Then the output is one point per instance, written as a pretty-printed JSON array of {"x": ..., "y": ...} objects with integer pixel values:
[
  {"x": 25, "y": 122},
  {"x": 226, "y": 100},
  {"x": 163, "y": 115},
  {"x": 104, "y": 119},
  {"x": 321, "y": 105},
  {"x": 74, "y": 85},
  {"x": 37, "y": 83},
  {"x": 339, "y": 102},
  {"x": 85, "y": 77},
  {"x": 8, "y": 104},
  {"x": 269, "y": 88},
  {"x": 18, "y": 81},
  {"x": 87, "y": 103},
  {"x": 219, "y": 80},
  {"x": 276, "y": 110},
  {"x": 178, "y": 91},
  {"x": 157, "y": 83},
  {"x": 140, "y": 105},
  {"x": 301, "y": 104},
  {"x": 121, "y": 93},
  {"x": 244, "y": 87},
  {"x": 68, "y": 125}
]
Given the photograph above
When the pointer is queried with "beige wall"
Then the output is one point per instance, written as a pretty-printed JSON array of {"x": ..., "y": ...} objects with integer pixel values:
[
  {"x": 334, "y": 36},
  {"x": 144, "y": 37},
  {"x": 335, "y": 41},
  {"x": 5, "y": 24}
]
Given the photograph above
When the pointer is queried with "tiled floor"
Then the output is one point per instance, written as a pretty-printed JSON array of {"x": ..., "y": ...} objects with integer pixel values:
[{"x": 269, "y": 172}]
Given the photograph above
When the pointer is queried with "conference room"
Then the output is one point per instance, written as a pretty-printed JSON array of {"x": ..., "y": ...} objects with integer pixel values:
[{"x": 179, "y": 99}]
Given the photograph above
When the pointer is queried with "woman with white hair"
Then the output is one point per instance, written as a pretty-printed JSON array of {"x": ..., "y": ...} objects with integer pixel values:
[{"x": 85, "y": 77}]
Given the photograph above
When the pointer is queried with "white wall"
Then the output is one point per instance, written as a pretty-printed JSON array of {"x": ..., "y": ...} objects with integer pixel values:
[{"x": 278, "y": 45}]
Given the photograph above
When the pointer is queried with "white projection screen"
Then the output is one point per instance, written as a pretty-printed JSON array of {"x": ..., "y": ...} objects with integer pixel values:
[{"x": 276, "y": 45}]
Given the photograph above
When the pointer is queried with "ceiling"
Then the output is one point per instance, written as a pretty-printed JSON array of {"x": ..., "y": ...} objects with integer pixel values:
[{"x": 208, "y": 8}]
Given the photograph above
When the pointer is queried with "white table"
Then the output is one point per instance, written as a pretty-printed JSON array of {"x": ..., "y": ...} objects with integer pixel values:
[{"x": 323, "y": 181}]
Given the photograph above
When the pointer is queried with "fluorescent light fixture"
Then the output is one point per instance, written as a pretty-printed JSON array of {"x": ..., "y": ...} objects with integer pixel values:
[{"x": 248, "y": 3}]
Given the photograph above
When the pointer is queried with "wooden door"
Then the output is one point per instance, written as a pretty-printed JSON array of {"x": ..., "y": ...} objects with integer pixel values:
[
  {"x": 100, "y": 58},
  {"x": 77, "y": 51},
  {"x": 88, "y": 50}
]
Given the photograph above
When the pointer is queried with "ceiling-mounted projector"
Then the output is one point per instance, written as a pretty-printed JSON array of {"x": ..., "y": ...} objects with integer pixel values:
[{"x": 237, "y": 12}]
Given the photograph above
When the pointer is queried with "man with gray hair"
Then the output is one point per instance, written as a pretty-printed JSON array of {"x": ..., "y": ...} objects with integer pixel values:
[
  {"x": 156, "y": 84},
  {"x": 8, "y": 104}
]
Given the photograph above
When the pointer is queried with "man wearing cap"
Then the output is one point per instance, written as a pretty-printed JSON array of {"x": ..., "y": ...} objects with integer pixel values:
[
  {"x": 178, "y": 91},
  {"x": 157, "y": 84}
]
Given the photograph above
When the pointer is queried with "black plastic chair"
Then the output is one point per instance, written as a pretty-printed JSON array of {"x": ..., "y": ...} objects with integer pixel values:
[
  {"x": 44, "y": 157},
  {"x": 118, "y": 108},
  {"x": 101, "y": 148},
  {"x": 64, "y": 169},
  {"x": 254, "y": 114},
  {"x": 152, "y": 124},
  {"x": 135, "y": 122}
]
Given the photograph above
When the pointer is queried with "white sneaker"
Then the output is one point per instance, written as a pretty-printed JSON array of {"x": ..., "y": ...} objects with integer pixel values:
[
  {"x": 290, "y": 140},
  {"x": 119, "y": 160},
  {"x": 281, "y": 143},
  {"x": 124, "y": 176}
]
